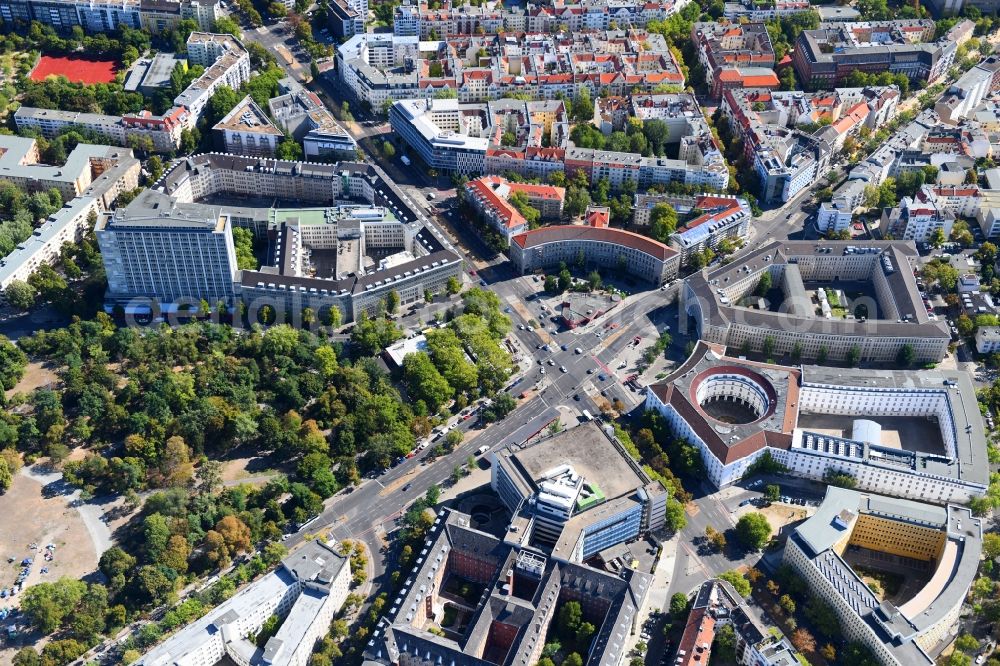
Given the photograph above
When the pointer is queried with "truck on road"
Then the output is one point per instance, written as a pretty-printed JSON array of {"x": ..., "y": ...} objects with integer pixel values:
[{"x": 482, "y": 449}]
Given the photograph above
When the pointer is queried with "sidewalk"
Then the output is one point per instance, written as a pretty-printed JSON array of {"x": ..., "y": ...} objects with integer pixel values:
[{"x": 658, "y": 597}]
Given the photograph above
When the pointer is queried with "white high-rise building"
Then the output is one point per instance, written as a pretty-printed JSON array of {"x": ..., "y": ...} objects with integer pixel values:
[{"x": 171, "y": 256}]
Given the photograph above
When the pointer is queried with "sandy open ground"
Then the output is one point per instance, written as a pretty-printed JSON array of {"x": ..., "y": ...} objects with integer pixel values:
[
  {"x": 35, "y": 376},
  {"x": 35, "y": 518},
  {"x": 42, "y": 521}
]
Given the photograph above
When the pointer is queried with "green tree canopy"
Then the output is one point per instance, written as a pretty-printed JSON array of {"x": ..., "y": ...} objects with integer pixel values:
[
  {"x": 738, "y": 581},
  {"x": 13, "y": 361},
  {"x": 662, "y": 222},
  {"x": 753, "y": 530}
]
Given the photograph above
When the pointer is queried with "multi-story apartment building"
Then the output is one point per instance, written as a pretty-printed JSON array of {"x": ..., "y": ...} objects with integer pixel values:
[
  {"x": 826, "y": 56},
  {"x": 306, "y": 590},
  {"x": 435, "y": 130},
  {"x": 988, "y": 339},
  {"x": 108, "y": 15},
  {"x": 90, "y": 181},
  {"x": 619, "y": 168},
  {"x": 724, "y": 50},
  {"x": 600, "y": 246},
  {"x": 833, "y": 217},
  {"x": 470, "y": 138},
  {"x": 186, "y": 246},
  {"x": 787, "y": 162},
  {"x": 377, "y": 68},
  {"x": 246, "y": 130},
  {"x": 964, "y": 201},
  {"x": 916, "y": 220},
  {"x": 706, "y": 220},
  {"x": 953, "y": 7},
  {"x": 716, "y": 605},
  {"x": 722, "y": 218},
  {"x": 489, "y": 196},
  {"x": 895, "y": 314},
  {"x": 577, "y": 493},
  {"x": 945, "y": 540},
  {"x": 302, "y": 114},
  {"x": 765, "y": 11},
  {"x": 347, "y": 17},
  {"x": 226, "y": 62},
  {"x": 971, "y": 88},
  {"x": 735, "y": 411},
  {"x": 449, "y": 20},
  {"x": 785, "y": 139},
  {"x": 406, "y": 20},
  {"x": 885, "y": 162},
  {"x": 163, "y": 131}
]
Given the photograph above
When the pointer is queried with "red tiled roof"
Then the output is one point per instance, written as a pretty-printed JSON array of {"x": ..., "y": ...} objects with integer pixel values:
[
  {"x": 852, "y": 118},
  {"x": 598, "y": 217},
  {"x": 539, "y": 191},
  {"x": 657, "y": 77},
  {"x": 716, "y": 207},
  {"x": 957, "y": 191},
  {"x": 512, "y": 153},
  {"x": 760, "y": 81},
  {"x": 546, "y": 153},
  {"x": 698, "y": 632},
  {"x": 686, "y": 406},
  {"x": 483, "y": 188}
]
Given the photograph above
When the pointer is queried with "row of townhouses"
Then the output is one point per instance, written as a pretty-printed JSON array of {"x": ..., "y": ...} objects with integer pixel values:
[
  {"x": 449, "y": 19},
  {"x": 377, "y": 68},
  {"x": 110, "y": 15},
  {"x": 471, "y": 138}
]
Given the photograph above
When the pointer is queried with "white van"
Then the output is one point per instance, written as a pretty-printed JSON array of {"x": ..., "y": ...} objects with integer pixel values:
[{"x": 482, "y": 449}]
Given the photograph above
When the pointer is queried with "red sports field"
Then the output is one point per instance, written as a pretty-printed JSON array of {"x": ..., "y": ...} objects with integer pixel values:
[{"x": 76, "y": 69}]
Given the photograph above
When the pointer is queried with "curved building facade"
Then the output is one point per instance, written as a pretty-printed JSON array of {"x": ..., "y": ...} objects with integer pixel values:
[
  {"x": 944, "y": 543},
  {"x": 639, "y": 256},
  {"x": 909, "y": 434}
]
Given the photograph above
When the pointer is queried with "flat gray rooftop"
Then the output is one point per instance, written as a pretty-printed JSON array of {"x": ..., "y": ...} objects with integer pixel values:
[
  {"x": 907, "y": 433},
  {"x": 971, "y": 463},
  {"x": 591, "y": 454},
  {"x": 705, "y": 286}
]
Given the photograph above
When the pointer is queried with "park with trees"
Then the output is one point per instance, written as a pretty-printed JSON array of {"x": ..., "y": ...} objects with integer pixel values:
[{"x": 156, "y": 411}]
